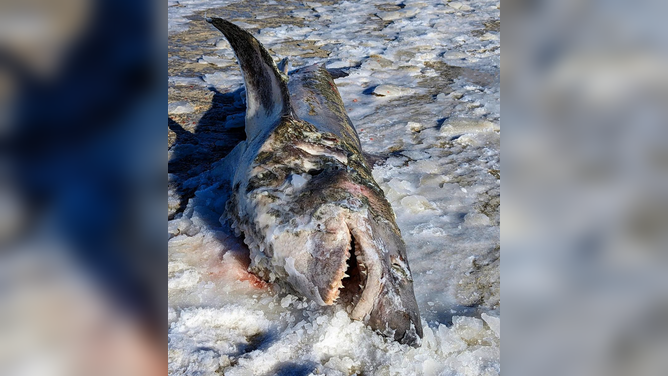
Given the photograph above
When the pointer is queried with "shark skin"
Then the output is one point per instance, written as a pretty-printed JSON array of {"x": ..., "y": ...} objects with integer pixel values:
[{"x": 303, "y": 196}]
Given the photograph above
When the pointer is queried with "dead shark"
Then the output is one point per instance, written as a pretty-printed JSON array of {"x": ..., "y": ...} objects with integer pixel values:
[{"x": 304, "y": 199}]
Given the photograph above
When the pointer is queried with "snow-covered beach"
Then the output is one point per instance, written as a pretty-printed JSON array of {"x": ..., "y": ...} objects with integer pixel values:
[{"x": 422, "y": 89}]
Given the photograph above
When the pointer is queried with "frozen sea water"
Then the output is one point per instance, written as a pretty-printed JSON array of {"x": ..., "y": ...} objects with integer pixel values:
[{"x": 423, "y": 92}]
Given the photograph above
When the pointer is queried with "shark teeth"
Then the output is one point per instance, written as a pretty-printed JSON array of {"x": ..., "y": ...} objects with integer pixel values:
[{"x": 348, "y": 286}]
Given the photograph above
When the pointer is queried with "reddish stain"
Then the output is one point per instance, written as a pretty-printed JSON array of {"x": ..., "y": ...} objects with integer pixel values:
[
  {"x": 371, "y": 138},
  {"x": 235, "y": 267},
  {"x": 254, "y": 281},
  {"x": 354, "y": 100},
  {"x": 359, "y": 189}
]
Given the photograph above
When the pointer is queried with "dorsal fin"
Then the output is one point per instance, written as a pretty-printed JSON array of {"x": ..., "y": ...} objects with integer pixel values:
[{"x": 267, "y": 96}]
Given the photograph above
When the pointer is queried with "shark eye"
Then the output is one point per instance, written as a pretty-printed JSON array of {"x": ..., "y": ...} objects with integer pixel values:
[{"x": 401, "y": 271}]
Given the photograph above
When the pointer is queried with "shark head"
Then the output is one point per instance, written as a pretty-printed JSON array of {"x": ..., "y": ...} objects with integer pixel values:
[{"x": 350, "y": 253}]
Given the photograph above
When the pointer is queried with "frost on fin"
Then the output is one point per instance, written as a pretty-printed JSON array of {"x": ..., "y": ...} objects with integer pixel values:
[{"x": 267, "y": 96}]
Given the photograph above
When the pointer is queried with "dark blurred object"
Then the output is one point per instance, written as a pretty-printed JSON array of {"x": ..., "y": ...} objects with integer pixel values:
[
  {"x": 585, "y": 188},
  {"x": 82, "y": 168}
]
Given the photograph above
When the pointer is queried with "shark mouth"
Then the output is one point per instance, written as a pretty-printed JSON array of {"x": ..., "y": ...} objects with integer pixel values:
[
  {"x": 354, "y": 278},
  {"x": 357, "y": 284}
]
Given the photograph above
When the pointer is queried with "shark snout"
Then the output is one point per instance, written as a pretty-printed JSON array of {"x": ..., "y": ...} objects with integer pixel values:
[
  {"x": 385, "y": 299},
  {"x": 396, "y": 314}
]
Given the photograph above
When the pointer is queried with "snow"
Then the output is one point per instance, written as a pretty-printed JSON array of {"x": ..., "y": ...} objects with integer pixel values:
[{"x": 438, "y": 136}]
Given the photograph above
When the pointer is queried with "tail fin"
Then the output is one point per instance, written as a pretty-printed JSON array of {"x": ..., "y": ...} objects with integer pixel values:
[{"x": 267, "y": 95}]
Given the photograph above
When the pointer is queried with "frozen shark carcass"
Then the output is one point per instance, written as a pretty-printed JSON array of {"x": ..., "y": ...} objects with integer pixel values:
[{"x": 304, "y": 198}]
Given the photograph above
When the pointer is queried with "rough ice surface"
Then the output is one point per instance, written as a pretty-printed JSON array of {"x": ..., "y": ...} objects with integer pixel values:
[
  {"x": 436, "y": 136},
  {"x": 179, "y": 10}
]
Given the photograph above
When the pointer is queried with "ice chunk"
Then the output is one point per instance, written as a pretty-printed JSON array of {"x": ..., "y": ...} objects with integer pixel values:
[
  {"x": 185, "y": 81},
  {"x": 401, "y": 186},
  {"x": 430, "y": 367},
  {"x": 476, "y": 219},
  {"x": 416, "y": 204},
  {"x": 461, "y": 126},
  {"x": 489, "y": 36},
  {"x": 494, "y": 323},
  {"x": 459, "y": 6},
  {"x": 224, "y": 79},
  {"x": 344, "y": 364},
  {"x": 428, "y": 339},
  {"x": 392, "y": 195},
  {"x": 414, "y": 127},
  {"x": 285, "y": 302},
  {"x": 428, "y": 166},
  {"x": 449, "y": 340},
  {"x": 392, "y": 91},
  {"x": 470, "y": 329},
  {"x": 180, "y": 107},
  {"x": 431, "y": 180},
  {"x": 187, "y": 278},
  {"x": 220, "y": 62}
]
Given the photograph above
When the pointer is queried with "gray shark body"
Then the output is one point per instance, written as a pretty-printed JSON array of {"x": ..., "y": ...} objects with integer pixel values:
[{"x": 305, "y": 201}]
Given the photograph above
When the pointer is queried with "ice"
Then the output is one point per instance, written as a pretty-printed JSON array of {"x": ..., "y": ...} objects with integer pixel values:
[
  {"x": 177, "y": 11},
  {"x": 401, "y": 186},
  {"x": 185, "y": 81},
  {"x": 414, "y": 127},
  {"x": 185, "y": 279},
  {"x": 456, "y": 127},
  {"x": 494, "y": 323},
  {"x": 394, "y": 15},
  {"x": 476, "y": 219},
  {"x": 459, "y": 6},
  {"x": 391, "y": 90},
  {"x": 437, "y": 132},
  {"x": 218, "y": 61},
  {"x": 285, "y": 302},
  {"x": 223, "y": 80},
  {"x": 416, "y": 204},
  {"x": 180, "y": 107}
]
